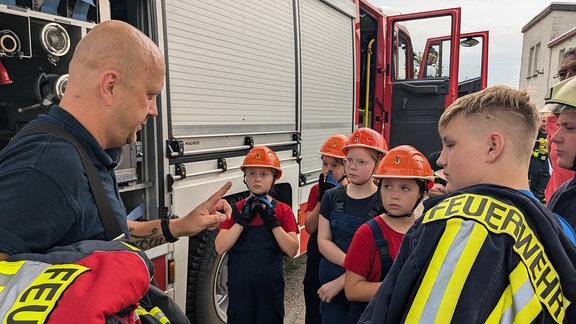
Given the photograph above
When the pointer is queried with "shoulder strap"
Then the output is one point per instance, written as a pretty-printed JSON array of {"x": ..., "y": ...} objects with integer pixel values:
[
  {"x": 107, "y": 217},
  {"x": 378, "y": 208},
  {"x": 382, "y": 245},
  {"x": 340, "y": 197}
]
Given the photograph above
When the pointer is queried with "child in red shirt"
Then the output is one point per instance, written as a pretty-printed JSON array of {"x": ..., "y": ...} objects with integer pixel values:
[
  {"x": 342, "y": 211},
  {"x": 333, "y": 175},
  {"x": 405, "y": 177},
  {"x": 260, "y": 231}
]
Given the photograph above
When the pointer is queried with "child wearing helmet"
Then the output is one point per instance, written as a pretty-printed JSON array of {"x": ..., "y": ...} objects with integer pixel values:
[
  {"x": 342, "y": 211},
  {"x": 260, "y": 231},
  {"x": 405, "y": 176},
  {"x": 332, "y": 175},
  {"x": 561, "y": 102},
  {"x": 487, "y": 251}
]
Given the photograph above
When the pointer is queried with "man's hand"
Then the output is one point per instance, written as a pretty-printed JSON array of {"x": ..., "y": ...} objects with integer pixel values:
[{"x": 204, "y": 216}]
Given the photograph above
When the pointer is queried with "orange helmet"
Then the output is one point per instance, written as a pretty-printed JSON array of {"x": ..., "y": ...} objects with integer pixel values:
[
  {"x": 262, "y": 157},
  {"x": 333, "y": 146},
  {"x": 405, "y": 161},
  {"x": 367, "y": 138}
]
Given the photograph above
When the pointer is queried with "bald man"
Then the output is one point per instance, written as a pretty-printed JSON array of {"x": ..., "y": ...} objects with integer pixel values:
[{"x": 115, "y": 75}]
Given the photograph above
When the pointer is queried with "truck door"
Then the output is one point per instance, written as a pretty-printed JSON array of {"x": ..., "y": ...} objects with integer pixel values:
[
  {"x": 473, "y": 64},
  {"x": 416, "y": 101}
]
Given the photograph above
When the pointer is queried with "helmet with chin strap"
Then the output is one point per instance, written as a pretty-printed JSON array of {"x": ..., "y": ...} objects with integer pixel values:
[
  {"x": 561, "y": 99},
  {"x": 406, "y": 162},
  {"x": 262, "y": 157}
]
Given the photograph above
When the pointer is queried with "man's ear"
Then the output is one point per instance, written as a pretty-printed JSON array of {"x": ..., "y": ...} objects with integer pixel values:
[
  {"x": 496, "y": 146},
  {"x": 107, "y": 83}
]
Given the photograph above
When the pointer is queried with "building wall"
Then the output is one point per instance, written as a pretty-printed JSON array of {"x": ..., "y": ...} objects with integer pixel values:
[{"x": 548, "y": 26}]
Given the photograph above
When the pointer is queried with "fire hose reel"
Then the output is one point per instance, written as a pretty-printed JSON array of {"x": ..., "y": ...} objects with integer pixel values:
[
  {"x": 51, "y": 87},
  {"x": 55, "y": 41},
  {"x": 9, "y": 43}
]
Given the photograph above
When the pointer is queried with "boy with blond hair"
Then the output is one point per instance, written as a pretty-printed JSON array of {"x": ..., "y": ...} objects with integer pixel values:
[{"x": 488, "y": 251}]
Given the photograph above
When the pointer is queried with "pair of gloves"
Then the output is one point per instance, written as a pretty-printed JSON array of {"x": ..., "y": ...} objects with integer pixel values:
[
  {"x": 267, "y": 213},
  {"x": 326, "y": 183}
]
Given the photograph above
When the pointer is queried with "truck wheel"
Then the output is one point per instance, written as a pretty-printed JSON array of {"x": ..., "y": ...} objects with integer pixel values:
[{"x": 207, "y": 293}]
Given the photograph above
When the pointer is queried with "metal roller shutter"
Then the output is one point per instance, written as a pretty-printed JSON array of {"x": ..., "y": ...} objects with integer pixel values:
[
  {"x": 231, "y": 66},
  {"x": 327, "y": 47}
]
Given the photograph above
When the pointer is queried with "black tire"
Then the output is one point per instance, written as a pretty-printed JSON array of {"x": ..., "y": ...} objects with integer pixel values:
[{"x": 206, "y": 294}]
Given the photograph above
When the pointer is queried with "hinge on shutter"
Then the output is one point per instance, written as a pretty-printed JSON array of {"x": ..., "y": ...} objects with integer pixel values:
[
  {"x": 179, "y": 174},
  {"x": 297, "y": 138},
  {"x": 249, "y": 140},
  {"x": 296, "y": 152},
  {"x": 222, "y": 164},
  {"x": 174, "y": 147}
]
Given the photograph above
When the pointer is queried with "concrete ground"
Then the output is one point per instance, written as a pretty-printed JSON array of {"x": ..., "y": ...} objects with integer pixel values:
[{"x": 294, "y": 270}]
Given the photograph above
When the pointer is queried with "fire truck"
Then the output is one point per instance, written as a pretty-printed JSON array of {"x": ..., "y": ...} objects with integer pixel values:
[{"x": 282, "y": 73}]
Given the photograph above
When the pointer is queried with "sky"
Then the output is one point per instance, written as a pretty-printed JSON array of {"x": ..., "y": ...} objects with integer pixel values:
[{"x": 503, "y": 19}]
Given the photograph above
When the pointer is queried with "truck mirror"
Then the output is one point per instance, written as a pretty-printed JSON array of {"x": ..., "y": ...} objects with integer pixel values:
[{"x": 469, "y": 42}]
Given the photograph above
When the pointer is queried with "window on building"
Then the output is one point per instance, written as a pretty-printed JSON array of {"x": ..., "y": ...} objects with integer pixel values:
[
  {"x": 560, "y": 58},
  {"x": 533, "y": 60}
]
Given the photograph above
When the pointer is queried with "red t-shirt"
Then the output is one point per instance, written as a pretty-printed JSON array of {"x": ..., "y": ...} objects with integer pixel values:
[
  {"x": 313, "y": 197},
  {"x": 283, "y": 213},
  {"x": 363, "y": 257}
]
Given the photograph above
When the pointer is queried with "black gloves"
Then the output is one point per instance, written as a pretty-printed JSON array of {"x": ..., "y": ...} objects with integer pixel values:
[
  {"x": 267, "y": 213},
  {"x": 325, "y": 184},
  {"x": 269, "y": 218},
  {"x": 246, "y": 215}
]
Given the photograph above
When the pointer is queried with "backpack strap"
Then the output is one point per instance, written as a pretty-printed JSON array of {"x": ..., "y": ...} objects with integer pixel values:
[
  {"x": 382, "y": 245},
  {"x": 112, "y": 229}
]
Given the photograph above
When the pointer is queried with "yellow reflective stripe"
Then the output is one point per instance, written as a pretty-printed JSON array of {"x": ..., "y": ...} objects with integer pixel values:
[
  {"x": 155, "y": 312},
  {"x": 10, "y": 268},
  {"x": 37, "y": 300},
  {"x": 529, "y": 313},
  {"x": 447, "y": 272},
  {"x": 464, "y": 265},
  {"x": 159, "y": 315},
  {"x": 417, "y": 308},
  {"x": 502, "y": 218},
  {"x": 518, "y": 303},
  {"x": 7, "y": 270},
  {"x": 131, "y": 246}
]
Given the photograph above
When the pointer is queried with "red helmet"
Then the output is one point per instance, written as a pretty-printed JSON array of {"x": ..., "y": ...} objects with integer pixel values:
[
  {"x": 262, "y": 157},
  {"x": 407, "y": 162},
  {"x": 367, "y": 138},
  {"x": 333, "y": 146}
]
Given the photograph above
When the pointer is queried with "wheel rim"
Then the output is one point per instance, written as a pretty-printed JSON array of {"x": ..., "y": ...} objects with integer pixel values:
[{"x": 220, "y": 289}]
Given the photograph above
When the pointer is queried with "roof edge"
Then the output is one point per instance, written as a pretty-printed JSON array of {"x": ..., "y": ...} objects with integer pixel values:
[{"x": 554, "y": 6}]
